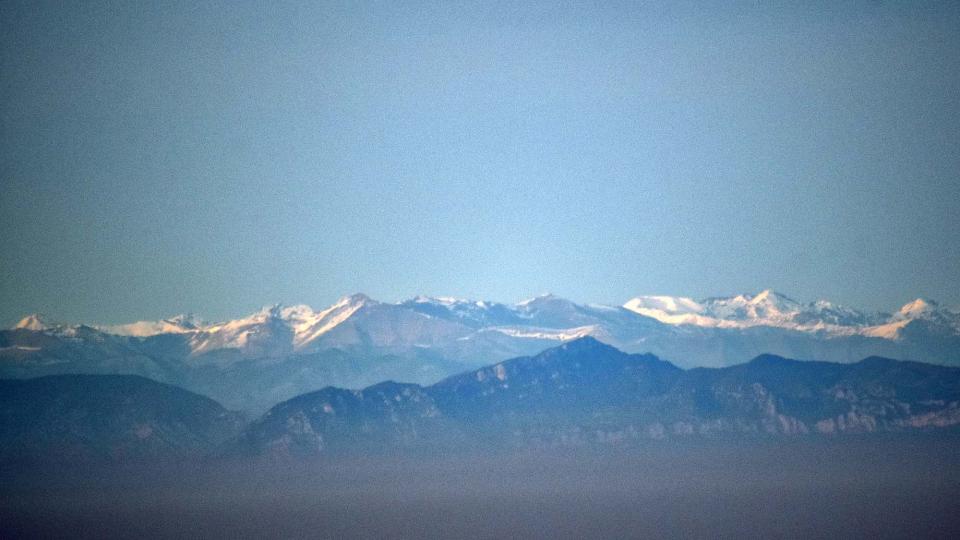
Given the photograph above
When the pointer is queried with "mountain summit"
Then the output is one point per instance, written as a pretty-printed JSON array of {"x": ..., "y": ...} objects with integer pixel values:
[
  {"x": 35, "y": 322},
  {"x": 769, "y": 308}
]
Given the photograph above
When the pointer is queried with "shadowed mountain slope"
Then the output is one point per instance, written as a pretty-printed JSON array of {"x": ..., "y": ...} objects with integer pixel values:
[
  {"x": 107, "y": 417},
  {"x": 585, "y": 392}
]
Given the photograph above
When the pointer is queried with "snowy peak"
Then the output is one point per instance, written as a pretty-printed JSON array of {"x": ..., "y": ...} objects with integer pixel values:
[
  {"x": 766, "y": 304},
  {"x": 828, "y": 313},
  {"x": 549, "y": 308},
  {"x": 671, "y": 310},
  {"x": 673, "y": 305},
  {"x": 455, "y": 324},
  {"x": 918, "y": 309},
  {"x": 546, "y": 303},
  {"x": 439, "y": 300},
  {"x": 772, "y": 309},
  {"x": 187, "y": 321},
  {"x": 311, "y": 326},
  {"x": 356, "y": 299},
  {"x": 180, "y": 324},
  {"x": 294, "y": 313},
  {"x": 927, "y": 311},
  {"x": 35, "y": 322},
  {"x": 278, "y": 328},
  {"x": 448, "y": 303},
  {"x": 541, "y": 300},
  {"x": 766, "y": 307},
  {"x": 772, "y": 300}
]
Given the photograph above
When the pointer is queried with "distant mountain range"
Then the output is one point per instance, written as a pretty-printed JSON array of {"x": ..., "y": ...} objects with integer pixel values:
[
  {"x": 579, "y": 394},
  {"x": 79, "y": 418},
  {"x": 278, "y": 352},
  {"x": 586, "y": 393}
]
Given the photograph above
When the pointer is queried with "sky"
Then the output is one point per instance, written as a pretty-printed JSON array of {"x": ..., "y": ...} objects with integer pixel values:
[{"x": 168, "y": 157}]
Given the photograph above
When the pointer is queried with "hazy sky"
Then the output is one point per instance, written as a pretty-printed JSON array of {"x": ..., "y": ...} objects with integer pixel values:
[{"x": 157, "y": 159}]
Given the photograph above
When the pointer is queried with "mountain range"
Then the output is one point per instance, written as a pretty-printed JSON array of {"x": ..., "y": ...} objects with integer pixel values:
[
  {"x": 582, "y": 393},
  {"x": 81, "y": 418},
  {"x": 278, "y": 352},
  {"x": 587, "y": 393}
]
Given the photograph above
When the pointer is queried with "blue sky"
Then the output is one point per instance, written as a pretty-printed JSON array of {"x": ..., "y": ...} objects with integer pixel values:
[{"x": 162, "y": 159}]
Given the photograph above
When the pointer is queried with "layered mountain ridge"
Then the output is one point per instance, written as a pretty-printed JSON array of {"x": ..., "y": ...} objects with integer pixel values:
[
  {"x": 582, "y": 393},
  {"x": 280, "y": 351},
  {"x": 585, "y": 393},
  {"x": 766, "y": 308},
  {"x": 76, "y": 418},
  {"x": 544, "y": 316}
]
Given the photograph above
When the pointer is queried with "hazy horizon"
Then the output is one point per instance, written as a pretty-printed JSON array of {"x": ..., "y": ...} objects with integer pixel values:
[{"x": 869, "y": 488}]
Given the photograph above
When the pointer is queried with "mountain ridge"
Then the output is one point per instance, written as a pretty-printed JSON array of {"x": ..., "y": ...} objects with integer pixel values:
[
  {"x": 766, "y": 308},
  {"x": 585, "y": 392},
  {"x": 108, "y": 417},
  {"x": 280, "y": 351}
]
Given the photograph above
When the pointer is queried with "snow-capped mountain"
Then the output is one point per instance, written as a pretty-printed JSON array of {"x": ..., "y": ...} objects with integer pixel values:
[
  {"x": 358, "y": 340},
  {"x": 923, "y": 309},
  {"x": 449, "y": 324},
  {"x": 35, "y": 322},
  {"x": 179, "y": 324},
  {"x": 767, "y": 308}
]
